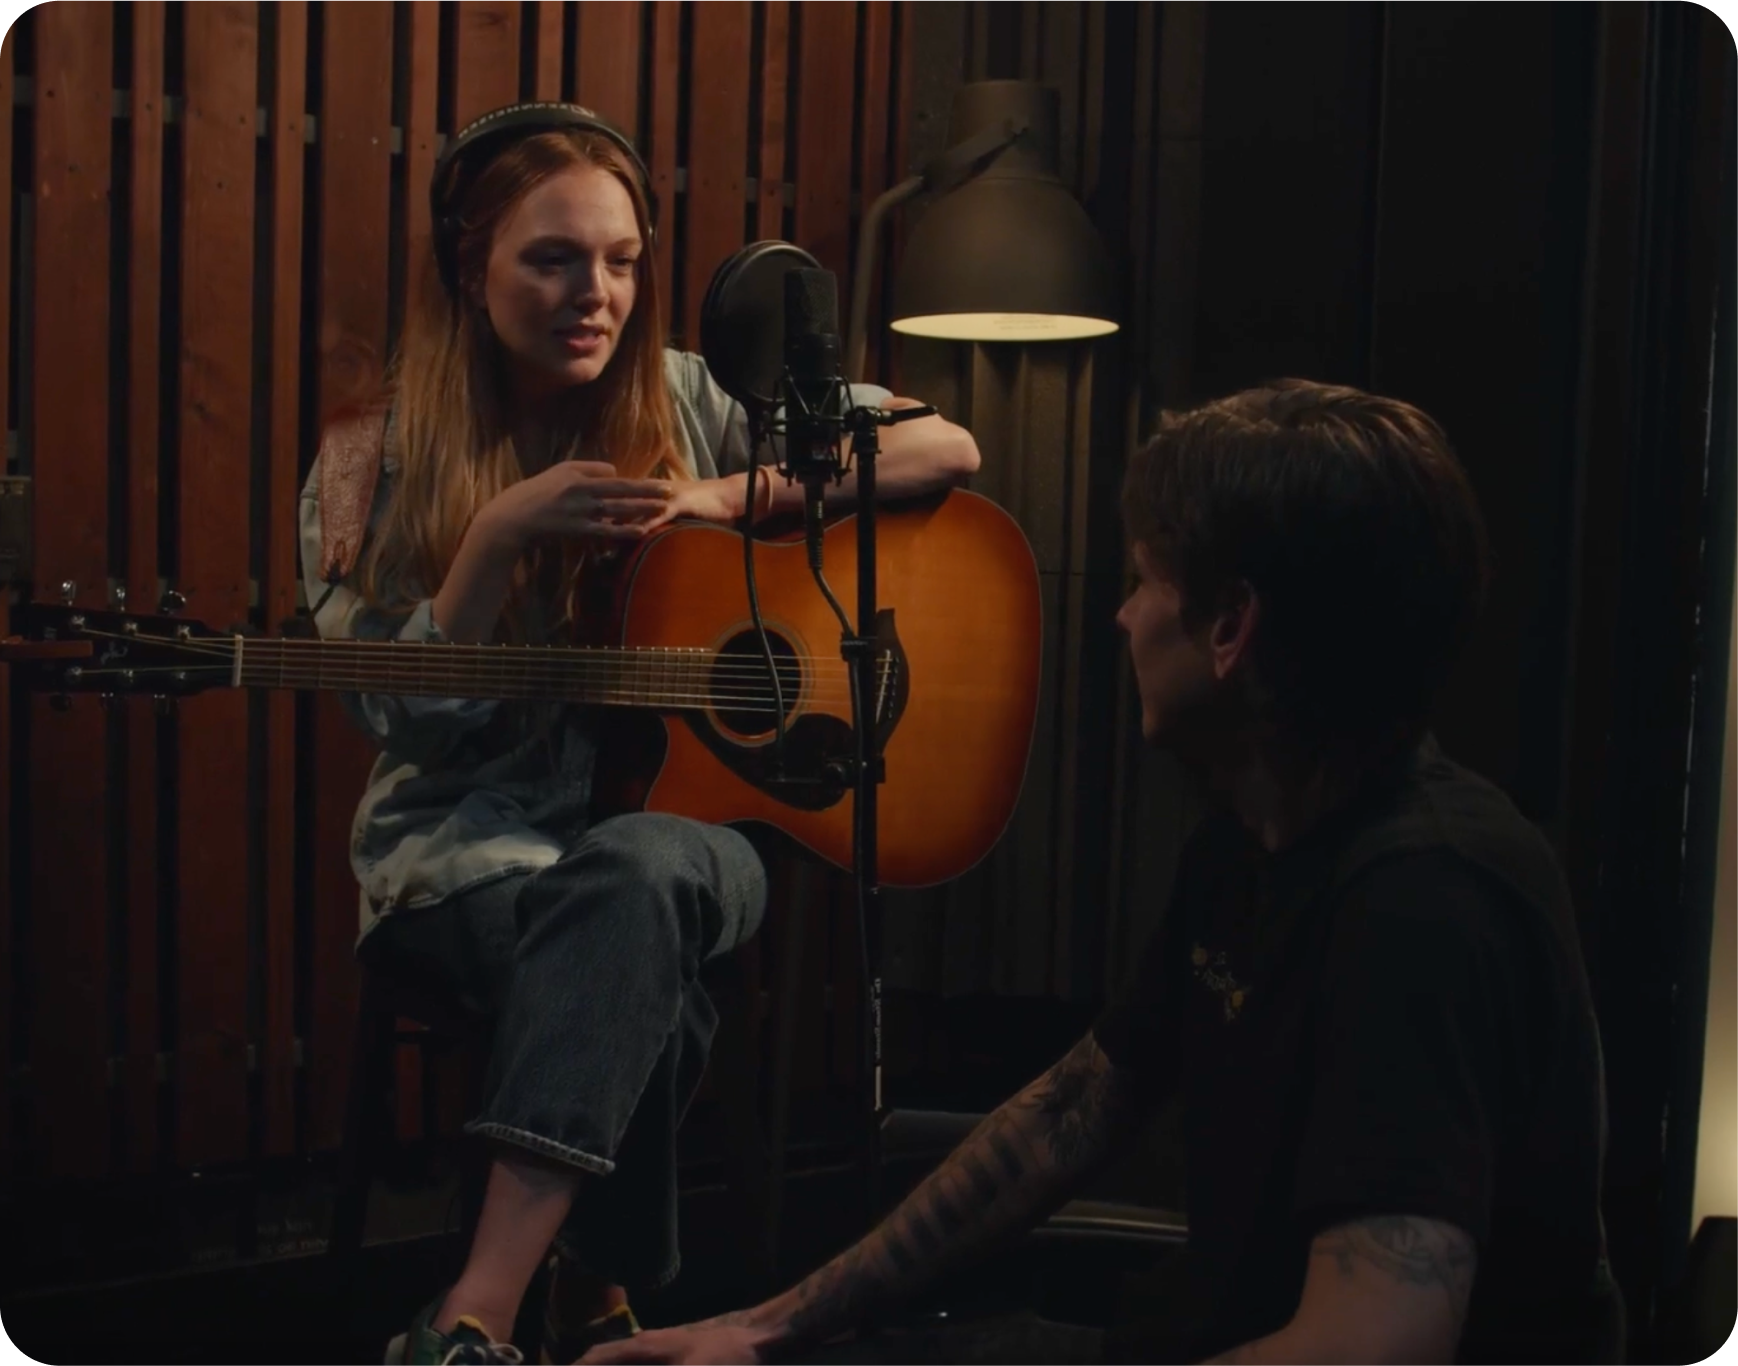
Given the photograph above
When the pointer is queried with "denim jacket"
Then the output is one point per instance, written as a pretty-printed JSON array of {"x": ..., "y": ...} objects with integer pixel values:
[{"x": 466, "y": 790}]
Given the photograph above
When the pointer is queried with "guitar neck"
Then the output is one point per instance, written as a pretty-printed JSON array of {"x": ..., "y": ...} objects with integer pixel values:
[{"x": 661, "y": 678}]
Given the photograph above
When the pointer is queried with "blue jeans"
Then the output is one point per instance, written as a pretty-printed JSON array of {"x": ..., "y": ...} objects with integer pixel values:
[{"x": 588, "y": 970}]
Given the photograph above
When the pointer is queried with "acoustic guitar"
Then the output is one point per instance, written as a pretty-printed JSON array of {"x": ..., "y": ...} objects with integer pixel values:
[{"x": 690, "y": 728}]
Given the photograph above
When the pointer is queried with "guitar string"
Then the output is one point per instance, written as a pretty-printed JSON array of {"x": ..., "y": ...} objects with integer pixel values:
[
  {"x": 601, "y": 656},
  {"x": 678, "y": 701},
  {"x": 603, "y": 694},
  {"x": 582, "y": 672}
]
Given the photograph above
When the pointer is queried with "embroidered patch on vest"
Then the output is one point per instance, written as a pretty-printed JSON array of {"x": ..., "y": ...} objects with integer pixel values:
[{"x": 350, "y": 455}]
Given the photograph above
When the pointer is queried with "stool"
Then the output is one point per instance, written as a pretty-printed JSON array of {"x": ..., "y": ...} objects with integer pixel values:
[
  {"x": 382, "y": 1001},
  {"x": 754, "y": 1160}
]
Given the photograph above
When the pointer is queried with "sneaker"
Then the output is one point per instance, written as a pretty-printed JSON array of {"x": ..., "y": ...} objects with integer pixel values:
[
  {"x": 467, "y": 1345},
  {"x": 563, "y": 1344}
]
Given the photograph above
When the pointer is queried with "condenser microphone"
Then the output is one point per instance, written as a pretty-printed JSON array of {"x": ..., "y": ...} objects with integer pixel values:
[{"x": 813, "y": 392}]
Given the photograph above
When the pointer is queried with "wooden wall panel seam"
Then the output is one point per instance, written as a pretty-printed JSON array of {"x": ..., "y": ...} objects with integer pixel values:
[
  {"x": 774, "y": 121},
  {"x": 824, "y": 127},
  {"x": 487, "y": 67},
  {"x": 213, "y": 478},
  {"x": 606, "y": 63},
  {"x": 278, "y": 1061},
  {"x": 67, "y": 919},
  {"x": 660, "y": 155},
  {"x": 718, "y": 96},
  {"x": 354, "y": 256},
  {"x": 145, "y": 366}
]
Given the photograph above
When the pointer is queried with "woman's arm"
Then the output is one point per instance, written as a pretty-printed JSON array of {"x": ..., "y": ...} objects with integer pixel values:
[{"x": 917, "y": 457}]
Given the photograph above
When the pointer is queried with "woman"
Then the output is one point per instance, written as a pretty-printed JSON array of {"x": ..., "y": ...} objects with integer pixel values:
[{"x": 534, "y": 418}]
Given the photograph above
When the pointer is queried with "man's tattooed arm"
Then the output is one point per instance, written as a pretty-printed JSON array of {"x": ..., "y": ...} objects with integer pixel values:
[
  {"x": 1425, "y": 1254},
  {"x": 1390, "y": 1288},
  {"x": 1022, "y": 1162}
]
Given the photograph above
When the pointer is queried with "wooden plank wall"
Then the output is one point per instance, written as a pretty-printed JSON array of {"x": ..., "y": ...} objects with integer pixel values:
[{"x": 221, "y": 210}]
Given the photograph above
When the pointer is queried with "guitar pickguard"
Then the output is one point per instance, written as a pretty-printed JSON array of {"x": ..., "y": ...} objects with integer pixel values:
[{"x": 814, "y": 770}]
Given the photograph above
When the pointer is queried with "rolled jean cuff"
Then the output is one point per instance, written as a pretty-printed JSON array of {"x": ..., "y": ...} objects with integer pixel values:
[{"x": 543, "y": 1147}]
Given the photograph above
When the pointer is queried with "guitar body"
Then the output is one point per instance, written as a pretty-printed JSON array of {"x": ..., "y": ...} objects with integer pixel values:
[
  {"x": 958, "y": 649},
  {"x": 685, "y": 702}
]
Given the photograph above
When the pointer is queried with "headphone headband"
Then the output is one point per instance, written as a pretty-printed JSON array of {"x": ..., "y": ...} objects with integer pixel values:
[{"x": 482, "y": 139}]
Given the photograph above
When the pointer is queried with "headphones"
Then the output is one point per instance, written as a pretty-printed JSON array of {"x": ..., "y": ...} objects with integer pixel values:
[{"x": 476, "y": 144}]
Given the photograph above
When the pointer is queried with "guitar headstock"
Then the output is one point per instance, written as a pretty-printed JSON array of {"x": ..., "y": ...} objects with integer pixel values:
[{"x": 61, "y": 649}]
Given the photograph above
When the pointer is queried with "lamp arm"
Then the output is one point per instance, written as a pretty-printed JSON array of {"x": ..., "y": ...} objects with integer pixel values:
[
  {"x": 942, "y": 174},
  {"x": 868, "y": 236}
]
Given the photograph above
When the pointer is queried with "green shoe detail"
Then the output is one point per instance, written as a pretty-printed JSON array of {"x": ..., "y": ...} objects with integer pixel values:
[
  {"x": 561, "y": 1345},
  {"x": 467, "y": 1345}
]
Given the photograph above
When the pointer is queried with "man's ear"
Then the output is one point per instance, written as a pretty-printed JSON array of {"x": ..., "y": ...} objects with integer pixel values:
[{"x": 1232, "y": 635}]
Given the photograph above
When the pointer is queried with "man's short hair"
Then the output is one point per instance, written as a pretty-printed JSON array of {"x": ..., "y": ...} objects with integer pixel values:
[{"x": 1354, "y": 523}]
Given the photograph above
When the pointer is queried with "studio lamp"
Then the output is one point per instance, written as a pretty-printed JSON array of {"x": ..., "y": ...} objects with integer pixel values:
[{"x": 1005, "y": 252}]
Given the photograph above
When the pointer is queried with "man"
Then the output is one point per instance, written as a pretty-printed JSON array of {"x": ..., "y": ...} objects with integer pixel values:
[{"x": 1368, "y": 987}]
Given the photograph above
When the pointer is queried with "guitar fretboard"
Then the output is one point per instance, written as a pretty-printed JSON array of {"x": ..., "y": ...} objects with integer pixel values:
[{"x": 663, "y": 678}]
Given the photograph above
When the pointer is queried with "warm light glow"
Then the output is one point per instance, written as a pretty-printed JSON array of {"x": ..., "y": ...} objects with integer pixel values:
[
  {"x": 1003, "y": 327},
  {"x": 1717, "y": 1132}
]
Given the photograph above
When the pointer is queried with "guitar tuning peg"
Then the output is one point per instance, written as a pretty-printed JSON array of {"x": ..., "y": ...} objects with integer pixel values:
[
  {"x": 171, "y": 602},
  {"x": 118, "y": 597},
  {"x": 68, "y": 591}
]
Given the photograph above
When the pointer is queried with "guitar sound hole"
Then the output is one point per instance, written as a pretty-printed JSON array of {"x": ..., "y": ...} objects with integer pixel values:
[{"x": 742, "y": 696}]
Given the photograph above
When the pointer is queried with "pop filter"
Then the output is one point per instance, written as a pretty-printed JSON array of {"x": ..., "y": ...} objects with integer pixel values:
[{"x": 742, "y": 321}]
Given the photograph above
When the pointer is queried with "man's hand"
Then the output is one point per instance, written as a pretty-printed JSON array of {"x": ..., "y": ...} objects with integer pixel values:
[
  {"x": 1021, "y": 1162},
  {"x": 716, "y": 1340}
]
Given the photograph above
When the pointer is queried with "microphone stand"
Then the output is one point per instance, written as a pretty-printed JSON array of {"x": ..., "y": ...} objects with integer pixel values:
[{"x": 866, "y": 768}]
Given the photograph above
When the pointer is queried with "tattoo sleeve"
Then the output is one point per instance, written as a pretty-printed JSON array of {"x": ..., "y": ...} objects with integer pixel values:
[
  {"x": 1019, "y": 1164},
  {"x": 1425, "y": 1254}
]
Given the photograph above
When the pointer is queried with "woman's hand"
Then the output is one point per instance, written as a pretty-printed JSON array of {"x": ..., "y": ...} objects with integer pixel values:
[
  {"x": 709, "y": 500},
  {"x": 575, "y": 499}
]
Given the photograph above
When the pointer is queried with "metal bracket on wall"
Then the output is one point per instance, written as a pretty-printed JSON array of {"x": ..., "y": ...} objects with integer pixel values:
[{"x": 15, "y": 519}]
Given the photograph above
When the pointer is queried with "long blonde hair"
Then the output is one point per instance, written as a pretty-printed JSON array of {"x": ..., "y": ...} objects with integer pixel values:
[{"x": 452, "y": 432}]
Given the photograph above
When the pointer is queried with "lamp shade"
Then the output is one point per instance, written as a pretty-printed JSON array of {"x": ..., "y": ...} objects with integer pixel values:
[{"x": 1010, "y": 255}]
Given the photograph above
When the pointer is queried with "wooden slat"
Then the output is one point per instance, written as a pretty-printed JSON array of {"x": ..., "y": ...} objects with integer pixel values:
[
  {"x": 216, "y": 400},
  {"x": 548, "y": 81},
  {"x": 606, "y": 62},
  {"x": 487, "y": 70},
  {"x": 420, "y": 134},
  {"x": 717, "y": 146},
  {"x": 355, "y": 178},
  {"x": 661, "y": 151},
  {"x": 900, "y": 168},
  {"x": 775, "y": 61},
  {"x": 823, "y": 171},
  {"x": 288, "y": 138},
  {"x": 7, "y": 774},
  {"x": 144, "y": 366},
  {"x": 70, "y": 341},
  {"x": 873, "y": 143}
]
